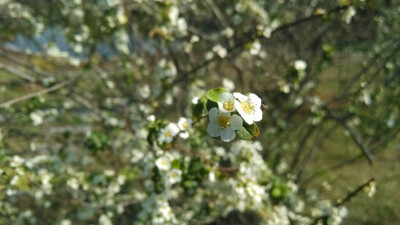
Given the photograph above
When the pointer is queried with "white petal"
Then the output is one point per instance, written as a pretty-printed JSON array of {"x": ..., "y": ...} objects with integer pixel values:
[
  {"x": 255, "y": 100},
  {"x": 236, "y": 122},
  {"x": 238, "y": 107},
  {"x": 257, "y": 115},
  {"x": 240, "y": 96},
  {"x": 225, "y": 96},
  {"x": 173, "y": 128},
  {"x": 213, "y": 113},
  {"x": 247, "y": 118},
  {"x": 213, "y": 129},
  {"x": 221, "y": 107},
  {"x": 184, "y": 135},
  {"x": 228, "y": 134}
]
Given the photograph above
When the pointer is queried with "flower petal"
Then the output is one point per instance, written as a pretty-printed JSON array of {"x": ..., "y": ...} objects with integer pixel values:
[
  {"x": 257, "y": 115},
  {"x": 212, "y": 114},
  {"x": 184, "y": 135},
  {"x": 247, "y": 118},
  {"x": 172, "y": 128},
  {"x": 228, "y": 134},
  {"x": 255, "y": 100},
  {"x": 225, "y": 96},
  {"x": 236, "y": 122},
  {"x": 213, "y": 129},
  {"x": 221, "y": 107},
  {"x": 240, "y": 96}
]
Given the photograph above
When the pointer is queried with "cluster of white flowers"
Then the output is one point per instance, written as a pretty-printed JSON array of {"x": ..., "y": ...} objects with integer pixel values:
[
  {"x": 157, "y": 209},
  {"x": 223, "y": 120},
  {"x": 325, "y": 208},
  {"x": 169, "y": 132},
  {"x": 166, "y": 69}
]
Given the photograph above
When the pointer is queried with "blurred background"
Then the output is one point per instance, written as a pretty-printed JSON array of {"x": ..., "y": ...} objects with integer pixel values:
[{"x": 79, "y": 80}]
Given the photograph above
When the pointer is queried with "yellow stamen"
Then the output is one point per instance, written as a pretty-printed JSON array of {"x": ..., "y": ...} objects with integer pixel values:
[
  {"x": 167, "y": 134},
  {"x": 228, "y": 106},
  {"x": 247, "y": 107},
  {"x": 223, "y": 121}
]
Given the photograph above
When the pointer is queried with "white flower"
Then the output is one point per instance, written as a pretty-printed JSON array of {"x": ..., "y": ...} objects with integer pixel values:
[
  {"x": 221, "y": 51},
  {"x": 164, "y": 162},
  {"x": 173, "y": 15},
  {"x": 105, "y": 220},
  {"x": 228, "y": 84},
  {"x": 73, "y": 183},
  {"x": 223, "y": 124},
  {"x": 255, "y": 48},
  {"x": 194, "y": 39},
  {"x": 151, "y": 118},
  {"x": 349, "y": 14},
  {"x": 66, "y": 222},
  {"x": 249, "y": 107},
  {"x": 182, "y": 26},
  {"x": 226, "y": 102},
  {"x": 300, "y": 65},
  {"x": 228, "y": 32},
  {"x": 174, "y": 176},
  {"x": 17, "y": 161},
  {"x": 36, "y": 117},
  {"x": 166, "y": 69},
  {"x": 167, "y": 134},
  {"x": 184, "y": 125}
]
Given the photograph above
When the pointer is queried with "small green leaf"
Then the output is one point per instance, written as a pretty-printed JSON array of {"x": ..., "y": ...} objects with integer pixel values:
[
  {"x": 242, "y": 133},
  {"x": 252, "y": 129},
  {"x": 211, "y": 104},
  {"x": 214, "y": 94},
  {"x": 247, "y": 132},
  {"x": 176, "y": 164}
]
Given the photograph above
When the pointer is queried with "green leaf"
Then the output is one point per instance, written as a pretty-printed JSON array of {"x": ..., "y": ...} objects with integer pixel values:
[
  {"x": 247, "y": 132},
  {"x": 242, "y": 133},
  {"x": 214, "y": 94},
  {"x": 176, "y": 164},
  {"x": 211, "y": 104},
  {"x": 252, "y": 129}
]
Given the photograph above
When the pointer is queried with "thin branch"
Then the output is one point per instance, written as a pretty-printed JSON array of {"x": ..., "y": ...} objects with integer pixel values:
[
  {"x": 359, "y": 141},
  {"x": 349, "y": 196},
  {"x": 35, "y": 94},
  {"x": 217, "y": 13},
  {"x": 251, "y": 36},
  {"x": 17, "y": 73}
]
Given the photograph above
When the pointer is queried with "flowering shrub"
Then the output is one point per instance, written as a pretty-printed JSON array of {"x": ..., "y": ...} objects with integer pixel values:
[{"x": 108, "y": 115}]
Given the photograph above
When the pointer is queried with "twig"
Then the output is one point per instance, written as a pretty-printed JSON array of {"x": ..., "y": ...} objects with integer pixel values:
[
  {"x": 359, "y": 141},
  {"x": 17, "y": 73},
  {"x": 349, "y": 196},
  {"x": 35, "y": 94},
  {"x": 253, "y": 36}
]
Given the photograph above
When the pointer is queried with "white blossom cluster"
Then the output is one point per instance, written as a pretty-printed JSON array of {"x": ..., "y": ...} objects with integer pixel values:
[
  {"x": 224, "y": 124},
  {"x": 103, "y": 154}
]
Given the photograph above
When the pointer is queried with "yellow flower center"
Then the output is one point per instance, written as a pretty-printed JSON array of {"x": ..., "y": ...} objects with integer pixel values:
[
  {"x": 184, "y": 125},
  {"x": 247, "y": 107},
  {"x": 228, "y": 106},
  {"x": 163, "y": 162},
  {"x": 167, "y": 134},
  {"x": 223, "y": 121}
]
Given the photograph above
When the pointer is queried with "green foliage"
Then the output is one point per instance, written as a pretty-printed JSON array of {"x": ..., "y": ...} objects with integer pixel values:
[
  {"x": 248, "y": 132},
  {"x": 97, "y": 141},
  {"x": 214, "y": 94}
]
